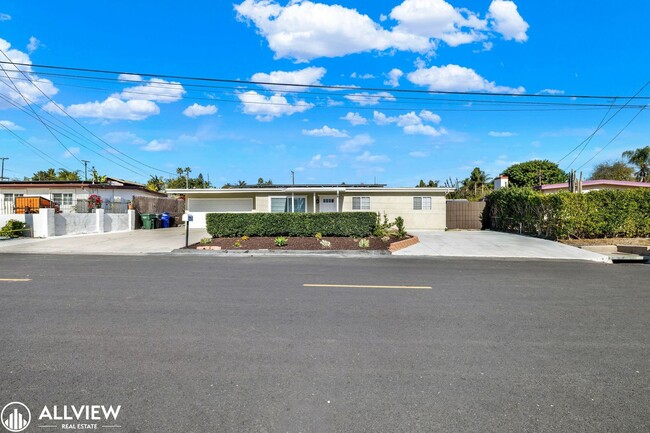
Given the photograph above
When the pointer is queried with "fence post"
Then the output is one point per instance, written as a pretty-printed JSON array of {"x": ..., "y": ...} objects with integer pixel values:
[{"x": 100, "y": 220}]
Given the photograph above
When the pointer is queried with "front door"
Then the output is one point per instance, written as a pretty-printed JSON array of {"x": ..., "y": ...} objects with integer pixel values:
[{"x": 327, "y": 203}]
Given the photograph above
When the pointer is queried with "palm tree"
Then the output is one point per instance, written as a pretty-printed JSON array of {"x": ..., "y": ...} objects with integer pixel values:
[
  {"x": 477, "y": 180},
  {"x": 641, "y": 158}
]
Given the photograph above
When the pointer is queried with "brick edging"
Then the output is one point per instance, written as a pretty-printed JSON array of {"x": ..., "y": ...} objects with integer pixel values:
[{"x": 399, "y": 245}]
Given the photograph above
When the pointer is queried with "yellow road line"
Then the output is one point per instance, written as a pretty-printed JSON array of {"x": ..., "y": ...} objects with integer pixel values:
[
  {"x": 16, "y": 280},
  {"x": 363, "y": 286}
]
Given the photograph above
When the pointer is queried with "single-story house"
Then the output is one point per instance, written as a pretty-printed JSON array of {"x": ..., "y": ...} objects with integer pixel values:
[
  {"x": 67, "y": 193},
  {"x": 421, "y": 208},
  {"x": 595, "y": 185}
]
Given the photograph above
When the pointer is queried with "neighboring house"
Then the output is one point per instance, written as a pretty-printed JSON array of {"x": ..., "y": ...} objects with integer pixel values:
[
  {"x": 421, "y": 208},
  {"x": 68, "y": 193},
  {"x": 595, "y": 185}
]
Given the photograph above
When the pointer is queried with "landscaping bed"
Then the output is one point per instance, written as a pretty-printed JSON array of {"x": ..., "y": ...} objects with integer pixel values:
[
  {"x": 607, "y": 241},
  {"x": 298, "y": 243}
]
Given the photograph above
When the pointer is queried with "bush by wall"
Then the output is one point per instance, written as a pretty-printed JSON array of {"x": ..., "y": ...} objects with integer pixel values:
[
  {"x": 13, "y": 229},
  {"x": 358, "y": 224},
  {"x": 596, "y": 214}
]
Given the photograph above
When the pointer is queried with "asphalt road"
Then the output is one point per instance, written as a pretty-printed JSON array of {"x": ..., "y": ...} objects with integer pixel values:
[{"x": 204, "y": 344}]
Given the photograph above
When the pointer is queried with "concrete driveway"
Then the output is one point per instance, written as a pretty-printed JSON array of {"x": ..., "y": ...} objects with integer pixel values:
[
  {"x": 130, "y": 242},
  {"x": 493, "y": 245}
]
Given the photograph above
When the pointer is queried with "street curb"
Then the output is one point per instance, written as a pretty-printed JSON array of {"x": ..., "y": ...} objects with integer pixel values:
[{"x": 293, "y": 253}]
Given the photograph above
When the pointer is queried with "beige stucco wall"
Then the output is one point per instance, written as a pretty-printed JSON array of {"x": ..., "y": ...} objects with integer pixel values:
[{"x": 401, "y": 204}]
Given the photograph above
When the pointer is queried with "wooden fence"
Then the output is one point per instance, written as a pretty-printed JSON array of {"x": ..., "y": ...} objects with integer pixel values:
[
  {"x": 158, "y": 205},
  {"x": 465, "y": 215}
]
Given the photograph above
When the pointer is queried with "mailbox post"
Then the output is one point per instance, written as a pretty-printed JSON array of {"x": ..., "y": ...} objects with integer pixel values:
[{"x": 187, "y": 217}]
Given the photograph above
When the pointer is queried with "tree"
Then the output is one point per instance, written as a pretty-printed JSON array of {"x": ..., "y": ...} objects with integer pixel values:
[
  {"x": 96, "y": 177},
  {"x": 430, "y": 184},
  {"x": 263, "y": 182},
  {"x": 155, "y": 183},
  {"x": 641, "y": 158},
  {"x": 535, "y": 173},
  {"x": 617, "y": 170},
  {"x": 477, "y": 182},
  {"x": 51, "y": 174},
  {"x": 183, "y": 180}
]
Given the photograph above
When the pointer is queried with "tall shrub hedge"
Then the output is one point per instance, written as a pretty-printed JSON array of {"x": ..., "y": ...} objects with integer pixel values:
[
  {"x": 359, "y": 224},
  {"x": 596, "y": 214}
]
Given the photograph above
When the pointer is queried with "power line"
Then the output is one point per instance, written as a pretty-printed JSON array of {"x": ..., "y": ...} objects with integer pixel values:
[{"x": 318, "y": 86}]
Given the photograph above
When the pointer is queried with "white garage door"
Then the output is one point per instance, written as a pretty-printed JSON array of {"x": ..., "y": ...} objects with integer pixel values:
[{"x": 220, "y": 205}]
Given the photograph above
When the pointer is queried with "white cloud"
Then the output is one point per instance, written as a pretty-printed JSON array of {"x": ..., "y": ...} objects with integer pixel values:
[
  {"x": 551, "y": 92},
  {"x": 4, "y": 17},
  {"x": 368, "y": 157},
  {"x": 412, "y": 123},
  {"x": 8, "y": 124},
  {"x": 129, "y": 78},
  {"x": 418, "y": 154},
  {"x": 423, "y": 130},
  {"x": 158, "y": 146},
  {"x": 119, "y": 137},
  {"x": 196, "y": 110},
  {"x": 33, "y": 44},
  {"x": 356, "y": 143},
  {"x": 266, "y": 108},
  {"x": 325, "y": 131},
  {"x": 507, "y": 21},
  {"x": 355, "y": 119},
  {"x": 440, "y": 20},
  {"x": 333, "y": 103},
  {"x": 304, "y": 30},
  {"x": 110, "y": 109},
  {"x": 156, "y": 89},
  {"x": 454, "y": 78},
  {"x": 362, "y": 76},
  {"x": 308, "y": 76},
  {"x": 393, "y": 77},
  {"x": 365, "y": 98},
  {"x": 33, "y": 88},
  {"x": 501, "y": 134},
  {"x": 71, "y": 152},
  {"x": 317, "y": 161}
]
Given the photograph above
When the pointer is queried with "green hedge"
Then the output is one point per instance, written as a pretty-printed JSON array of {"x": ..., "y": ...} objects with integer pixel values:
[
  {"x": 359, "y": 224},
  {"x": 596, "y": 214}
]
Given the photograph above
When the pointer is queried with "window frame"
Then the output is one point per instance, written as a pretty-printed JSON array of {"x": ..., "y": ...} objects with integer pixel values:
[
  {"x": 360, "y": 199},
  {"x": 287, "y": 200},
  {"x": 422, "y": 202}
]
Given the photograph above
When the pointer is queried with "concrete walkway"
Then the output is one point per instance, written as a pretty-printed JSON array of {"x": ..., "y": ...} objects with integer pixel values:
[
  {"x": 489, "y": 244},
  {"x": 129, "y": 242}
]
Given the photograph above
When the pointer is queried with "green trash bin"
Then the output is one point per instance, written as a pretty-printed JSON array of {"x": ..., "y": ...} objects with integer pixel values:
[{"x": 148, "y": 220}]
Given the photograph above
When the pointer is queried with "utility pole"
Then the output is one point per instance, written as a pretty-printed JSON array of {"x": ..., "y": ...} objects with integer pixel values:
[
  {"x": 2, "y": 175},
  {"x": 85, "y": 169},
  {"x": 293, "y": 177}
]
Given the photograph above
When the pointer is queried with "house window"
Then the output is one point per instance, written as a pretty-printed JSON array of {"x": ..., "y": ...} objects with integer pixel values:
[
  {"x": 9, "y": 202},
  {"x": 62, "y": 199},
  {"x": 360, "y": 203},
  {"x": 421, "y": 203},
  {"x": 283, "y": 204}
]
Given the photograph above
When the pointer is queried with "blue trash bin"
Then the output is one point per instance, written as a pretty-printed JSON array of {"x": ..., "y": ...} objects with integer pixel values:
[{"x": 165, "y": 219}]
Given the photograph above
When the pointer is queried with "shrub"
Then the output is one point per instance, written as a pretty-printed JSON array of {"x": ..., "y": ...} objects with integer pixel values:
[
  {"x": 401, "y": 230},
  {"x": 245, "y": 238},
  {"x": 596, "y": 214},
  {"x": 325, "y": 244},
  {"x": 364, "y": 243},
  {"x": 13, "y": 229},
  {"x": 281, "y": 241},
  {"x": 237, "y": 244},
  {"x": 318, "y": 236},
  {"x": 359, "y": 224},
  {"x": 205, "y": 241}
]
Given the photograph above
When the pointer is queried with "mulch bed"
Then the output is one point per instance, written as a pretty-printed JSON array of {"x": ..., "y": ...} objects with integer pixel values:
[
  {"x": 298, "y": 243},
  {"x": 607, "y": 241}
]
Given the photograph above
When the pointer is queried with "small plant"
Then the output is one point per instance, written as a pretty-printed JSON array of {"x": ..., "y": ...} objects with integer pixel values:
[
  {"x": 245, "y": 238},
  {"x": 364, "y": 243},
  {"x": 325, "y": 244},
  {"x": 205, "y": 241},
  {"x": 401, "y": 230},
  {"x": 281, "y": 241},
  {"x": 318, "y": 236},
  {"x": 382, "y": 228},
  {"x": 385, "y": 239},
  {"x": 13, "y": 229},
  {"x": 237, "y": 244},
  {"x": 94, "y": 201}
]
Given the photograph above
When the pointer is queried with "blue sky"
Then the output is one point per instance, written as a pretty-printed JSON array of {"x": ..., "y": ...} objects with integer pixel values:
[{"x": 241, "y": 132}]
